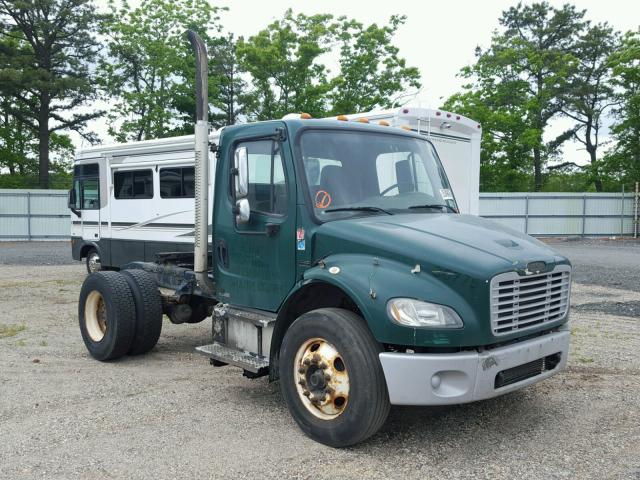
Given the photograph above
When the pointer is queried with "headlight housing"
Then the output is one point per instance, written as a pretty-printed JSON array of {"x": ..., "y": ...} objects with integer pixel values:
[{"x": 414, "y": 313}]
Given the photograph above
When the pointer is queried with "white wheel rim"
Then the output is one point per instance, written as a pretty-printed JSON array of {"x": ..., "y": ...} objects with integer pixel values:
[
  {"x": 94, "y": 262},
  {"x": 95, "y": 316},
  {"x": 322, "y": 379}
]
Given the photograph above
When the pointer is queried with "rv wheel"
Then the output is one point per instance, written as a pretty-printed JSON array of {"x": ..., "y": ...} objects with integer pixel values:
[
  {"x": 148, "y": 305},
  {"x": 107, "y": 315},
  {"x": 331, "y": 377},
  {"x": 93, "y": 261}
]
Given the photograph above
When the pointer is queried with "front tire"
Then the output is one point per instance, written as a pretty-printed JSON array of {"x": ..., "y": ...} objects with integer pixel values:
[
  {"x": 93, "y": 261},
  {"x": 331, "y": 377},
  {"x": 107, "y": 315}
]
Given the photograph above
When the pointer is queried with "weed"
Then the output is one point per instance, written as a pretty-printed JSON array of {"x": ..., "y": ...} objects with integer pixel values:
[{"x": 10, "y": 330}]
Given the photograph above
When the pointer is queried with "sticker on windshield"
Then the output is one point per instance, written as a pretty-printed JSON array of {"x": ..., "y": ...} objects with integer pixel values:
[
  {"x": 323, "y": 199},
  {"x": 446, "y": 194}
]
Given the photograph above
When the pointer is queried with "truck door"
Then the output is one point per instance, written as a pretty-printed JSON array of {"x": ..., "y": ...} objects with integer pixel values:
[
  {"x": 86, "y": 184},
  {"x": 255, "y": 261}
]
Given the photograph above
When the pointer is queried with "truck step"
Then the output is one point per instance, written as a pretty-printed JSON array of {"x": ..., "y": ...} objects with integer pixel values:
[{"x": 251, "y": 363}]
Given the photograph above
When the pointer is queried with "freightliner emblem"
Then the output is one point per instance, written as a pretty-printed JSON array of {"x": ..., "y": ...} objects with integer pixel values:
[{"x": 535, "y": 267}]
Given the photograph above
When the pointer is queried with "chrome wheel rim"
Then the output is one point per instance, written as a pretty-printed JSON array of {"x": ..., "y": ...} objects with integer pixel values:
[
  {"x": 94, "y": 262},
  {"x": 322, "y": 379},
  {"x": 95, "y": 316}
]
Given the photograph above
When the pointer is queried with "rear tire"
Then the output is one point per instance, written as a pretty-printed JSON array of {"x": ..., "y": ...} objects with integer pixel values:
[
  {"x": 331, "y": 377},
  {"x": 107, "y": 315},
  {"x": 93, "y": 261},
  {"x": 148, "y": 308}
]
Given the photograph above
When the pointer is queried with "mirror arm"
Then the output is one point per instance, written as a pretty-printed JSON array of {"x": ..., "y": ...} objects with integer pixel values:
[{"x": 77, "y": 213}]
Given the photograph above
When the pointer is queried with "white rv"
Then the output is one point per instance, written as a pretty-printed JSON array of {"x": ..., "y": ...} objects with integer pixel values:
[
  {"x": 146, "y": 189},
  {"x": 457, "y": 141},
  {"x": 131, "y": 201}
]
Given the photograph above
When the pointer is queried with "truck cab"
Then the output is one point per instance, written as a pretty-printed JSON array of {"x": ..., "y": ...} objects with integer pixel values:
[{"x": 340, "y": 266}]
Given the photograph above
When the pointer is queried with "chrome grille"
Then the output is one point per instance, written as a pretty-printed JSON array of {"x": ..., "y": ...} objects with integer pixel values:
[{"x": 522, "y": 302}]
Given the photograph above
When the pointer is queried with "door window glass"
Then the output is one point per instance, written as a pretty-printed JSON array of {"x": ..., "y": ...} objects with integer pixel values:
[
  {"x": 267, "y": 182},
  {"x": 90, "y": 194}
]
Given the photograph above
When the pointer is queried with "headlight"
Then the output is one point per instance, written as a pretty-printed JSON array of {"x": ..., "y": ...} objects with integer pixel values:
[{"x": 414, "y": 313}]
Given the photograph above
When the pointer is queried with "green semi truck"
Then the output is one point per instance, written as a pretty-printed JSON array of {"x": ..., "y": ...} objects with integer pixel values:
[{"x": 337, "y": 263}]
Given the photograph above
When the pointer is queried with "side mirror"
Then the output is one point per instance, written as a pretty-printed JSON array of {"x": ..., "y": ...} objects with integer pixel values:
[
  {"x": 242, "y": 211},
  {"x": 241, "y": 164},
  {"x": 71, "y": 202}
]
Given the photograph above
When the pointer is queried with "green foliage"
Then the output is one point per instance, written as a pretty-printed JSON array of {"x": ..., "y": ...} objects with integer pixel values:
[
  {"x": 591, "y": 93},
  {"x": 623, "y": 162},
  {"x": 149, "y": 69},
  {"x": 285, "y": 62},
  {"x": 372, "y": 74},
  {"x": 225, "y": 74},
  {"x": 47, "y": 49},
  {"x": 522, "y": 77}
]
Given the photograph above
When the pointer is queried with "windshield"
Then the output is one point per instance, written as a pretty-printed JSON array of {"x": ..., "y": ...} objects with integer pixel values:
[{"x": 354, "y": 173}]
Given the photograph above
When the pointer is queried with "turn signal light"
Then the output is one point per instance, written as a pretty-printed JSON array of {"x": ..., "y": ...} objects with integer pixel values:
[
  {"x": 342, "y": 118},
  {"x": 405, "y": 127},
  {"x": 305, "y": 116},
  {"x": 363, "y": 120},
  {"x": 384, "y": 123}
]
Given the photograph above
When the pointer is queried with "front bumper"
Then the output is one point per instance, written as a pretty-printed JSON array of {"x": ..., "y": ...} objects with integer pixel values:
[{"x": 450, "y": 378}]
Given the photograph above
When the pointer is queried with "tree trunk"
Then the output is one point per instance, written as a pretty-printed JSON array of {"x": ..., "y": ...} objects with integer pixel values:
[
  {"x": 597, "y": 181},
  {"x": 43, "y": 142},
  {"x": 537, "y": 169}
]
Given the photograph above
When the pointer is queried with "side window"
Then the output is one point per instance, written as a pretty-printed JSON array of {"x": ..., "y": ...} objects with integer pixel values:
[
  {"x": 133, "y": 184},
  {"x": 177, "y": 182},
  {"x": 267, "y": 182}
]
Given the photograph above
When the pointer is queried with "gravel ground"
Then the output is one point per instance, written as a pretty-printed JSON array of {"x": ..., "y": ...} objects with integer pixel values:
[
  {"x": 169, "y": 414},
  {"x": 36, "y": 253}
]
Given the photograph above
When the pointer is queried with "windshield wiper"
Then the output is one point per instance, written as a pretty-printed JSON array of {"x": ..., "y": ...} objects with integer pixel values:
[
  {"x": 435, "y": 205},
  {"x": 359, "y": 209}
]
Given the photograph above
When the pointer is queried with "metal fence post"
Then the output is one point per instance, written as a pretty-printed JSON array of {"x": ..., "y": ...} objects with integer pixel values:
[
  {"x": 622, "y": 213},
  {"x": 635, "y": 213},
  {"x": 29, "y": 216},
  {"x": 584, "y": 213},
  {"x": 526, "y": 214}
]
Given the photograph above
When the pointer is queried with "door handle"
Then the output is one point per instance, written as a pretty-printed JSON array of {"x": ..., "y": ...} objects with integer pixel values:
[
  {"x": 271, "y": 229},
  {"x": 222, "y": 253}
]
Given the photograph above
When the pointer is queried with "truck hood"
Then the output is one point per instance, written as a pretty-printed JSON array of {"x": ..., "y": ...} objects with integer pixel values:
[{"x": 459, "y": 243}]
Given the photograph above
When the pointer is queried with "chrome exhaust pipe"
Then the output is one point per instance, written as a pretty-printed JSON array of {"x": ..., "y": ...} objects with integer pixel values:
[{"x": 201, "y": 243}]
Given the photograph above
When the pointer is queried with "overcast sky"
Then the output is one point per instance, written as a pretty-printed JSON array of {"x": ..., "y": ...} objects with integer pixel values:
[{"x": 438, "y": 37}]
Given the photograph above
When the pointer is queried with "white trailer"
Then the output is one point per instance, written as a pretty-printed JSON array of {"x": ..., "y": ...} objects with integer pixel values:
[
  {"x": 457, "y": 141},
  {"x": 131, "y": 201}
]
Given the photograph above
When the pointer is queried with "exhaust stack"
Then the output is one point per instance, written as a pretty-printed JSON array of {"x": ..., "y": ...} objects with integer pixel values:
[{"x": 201, "y": 247}]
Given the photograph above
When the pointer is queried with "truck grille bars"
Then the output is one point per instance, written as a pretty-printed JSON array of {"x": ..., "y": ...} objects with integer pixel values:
[{"x": 519, "y": 303}]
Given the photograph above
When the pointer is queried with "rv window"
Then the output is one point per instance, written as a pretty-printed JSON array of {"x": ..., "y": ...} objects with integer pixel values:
[
  {"x": 134, "y": 184},
  {"x": 90, "y": 196},
  {"x": 267, "y": 183},
  {"x": 177, "y": 182}
]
